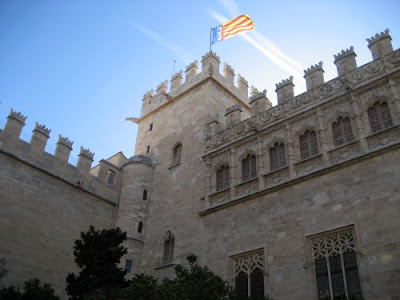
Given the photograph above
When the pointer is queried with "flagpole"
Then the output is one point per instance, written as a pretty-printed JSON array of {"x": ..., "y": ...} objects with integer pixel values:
[{"x": 210, "y": 37}]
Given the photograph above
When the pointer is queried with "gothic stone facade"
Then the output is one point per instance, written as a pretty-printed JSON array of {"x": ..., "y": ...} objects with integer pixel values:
[{"x": 294, "y": 201}]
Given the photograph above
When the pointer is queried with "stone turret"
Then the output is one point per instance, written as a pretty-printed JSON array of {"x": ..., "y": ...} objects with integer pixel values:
[
  {"x": 259, "y": 102},
  {"x": 85, "y": 159},
  {"x": 285, "y": 90},
  {"x": 63, "y": 149},
  {"x": 314, "y": 76},
  {"x": 134, "y": 199},
  {"x": 213, "y": 125},
  {"x": 233, "y": 115},
  {"x": 15, "y": 123},
  {"x": 380, "y": 44},
  {"x": 345, "y": 61},
  {"x": 40, "y": 136}
]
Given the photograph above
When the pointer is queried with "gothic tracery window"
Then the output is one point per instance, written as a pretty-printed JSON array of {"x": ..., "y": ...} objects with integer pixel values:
[
  {"x": 249, "y": 276},
  {"x": 249, "y": 168},
  {"x": 379, "y": 117},
  {"x": 222, "y": 178},
  {"x": 177, "y": 152},
  {"x": 168, "y": 249},
  {"x": 308, "y": 144},
  {"x": 277, "y": 156},
  {"x": 342, "y": 132},
  {"x": 336, "y": 266}
]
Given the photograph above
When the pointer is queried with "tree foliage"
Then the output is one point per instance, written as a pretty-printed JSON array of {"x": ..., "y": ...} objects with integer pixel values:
[
  {"x": 32, "y": 290},
  {"x": 193, "y": 283},
  {"x": 97, "y": 254}
]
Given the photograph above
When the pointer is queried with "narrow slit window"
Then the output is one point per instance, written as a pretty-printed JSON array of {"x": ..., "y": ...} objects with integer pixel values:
[
  {"x": 148, "y": 149},
  {"x": 128, "y": 266},
  {"x": 151, "y": 127},
  {"x": 144, "y": 194},
  {"x": 140, "y": 227}
]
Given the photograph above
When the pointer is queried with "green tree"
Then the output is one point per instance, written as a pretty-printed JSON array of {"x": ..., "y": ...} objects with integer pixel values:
[
  {"x": 32, "y": 290},
  {"x": 97, "y": 254},
  {"x": 195, "y": 283},
  {"x": 141, "y": 287}
]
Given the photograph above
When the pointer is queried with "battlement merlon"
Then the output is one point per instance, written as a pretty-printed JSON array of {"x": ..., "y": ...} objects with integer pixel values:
[
  {"x": 233, "y": 115},
  {"x": 229, "y": 74},
  {"x": 40, "y": 136},
  {"x": 63, "y": 148},
  {"x": 191, "y": 70},
  {"x": 243, "y": 85},
  {"x": 15, "y": 123},
  {"x": 345, "y": 61},
  {"x": 210, "y": 63},
  {"x": 162, "y": 87},
  {"x": 314, "y": 76},
  {"x": 380, "y": 44},
  {"x": 85, "y": 159},
  {"x": 259, "y": 102},
  {"x": 176, "y": 80},
  {"x": 285, "y": 90}
]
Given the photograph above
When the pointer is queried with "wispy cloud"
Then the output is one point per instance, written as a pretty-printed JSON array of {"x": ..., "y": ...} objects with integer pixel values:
[
  {"x": 262, "y": 43},
  {"x": 179, "y": 51}
]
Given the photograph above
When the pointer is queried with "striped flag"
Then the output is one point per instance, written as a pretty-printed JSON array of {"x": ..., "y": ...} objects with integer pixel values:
[{"x": 239, "y": 24}]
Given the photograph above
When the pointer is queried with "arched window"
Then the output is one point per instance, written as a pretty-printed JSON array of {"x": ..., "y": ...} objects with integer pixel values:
[
  {"x": 177, "y": 152},
  {"x": 222, "y": 178},
  {"x": 249, "y": 167},
  {"x": 342, "y": 132},
  {"x": 277, "y": 156},
  {"x": 379, "y": 117},
  {"x": 140, "y": 227},
  {"x": 308, "y": 144},
  {"x": 168, "y": 249}
]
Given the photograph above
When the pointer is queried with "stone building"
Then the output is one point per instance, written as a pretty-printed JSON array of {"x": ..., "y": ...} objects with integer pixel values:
[{"x": 293, "y": 201}]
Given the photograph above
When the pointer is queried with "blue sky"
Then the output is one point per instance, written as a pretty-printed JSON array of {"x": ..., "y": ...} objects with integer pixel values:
[{"x": 81, "y": 67}]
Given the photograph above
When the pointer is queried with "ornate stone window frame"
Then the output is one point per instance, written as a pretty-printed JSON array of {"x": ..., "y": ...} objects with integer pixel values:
[
  {"x": 247, "y": 262},
  {"x": 329, "y": 243}
]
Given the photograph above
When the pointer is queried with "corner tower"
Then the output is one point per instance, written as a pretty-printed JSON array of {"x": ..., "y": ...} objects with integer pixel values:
[{"x": 172, "y": 134}]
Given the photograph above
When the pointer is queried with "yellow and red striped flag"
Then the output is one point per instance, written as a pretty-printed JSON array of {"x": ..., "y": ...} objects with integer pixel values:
[{"x": 229, "y": 29}]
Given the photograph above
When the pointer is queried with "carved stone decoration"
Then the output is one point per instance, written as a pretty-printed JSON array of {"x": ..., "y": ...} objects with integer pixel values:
[
  {"x": 276, "y": 111},
  {"x": 384, "y": 138},
  {"x": 373, "y": 67},
  {"x": 252, "y": 124},
  {"x": 358, "y": 74},
  {"x": 240, "y": 128},
  {"x": 309, "y": 165},
  {"x": 247, "y": 188},
  {"x": 265, "y": 116},
  {"x": 219, "y": 198},
  {"x": 395, "y": 58},
  {"x": 277, "y": 177},
  {"x": 344, "y": 153},
  {"x": 248, "y": 263},
  {"x": 325, "y": 89},
  {"x": 210, "y": 69},
  {"x": 332, "y": 245}
]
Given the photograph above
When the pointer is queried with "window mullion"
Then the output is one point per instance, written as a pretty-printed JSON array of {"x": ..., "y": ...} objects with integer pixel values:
[
  {"x": 329, "y": 276},
  {"x": 248, "y": 284},
  {"x": 344, "y": 275}
]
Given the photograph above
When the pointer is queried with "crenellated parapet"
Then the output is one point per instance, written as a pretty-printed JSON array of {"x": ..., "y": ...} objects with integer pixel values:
[
  {"x": 193, "y": 77},
  {"x": 351, "y": 79},
  {"x": 34, "y": 154}
]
